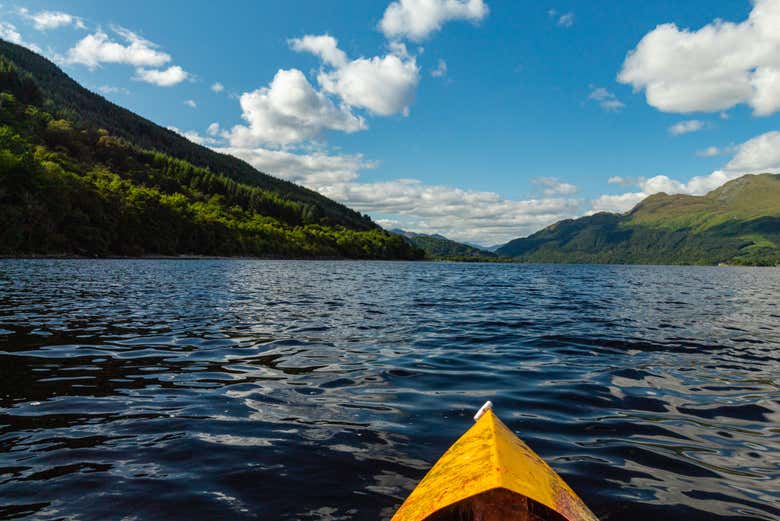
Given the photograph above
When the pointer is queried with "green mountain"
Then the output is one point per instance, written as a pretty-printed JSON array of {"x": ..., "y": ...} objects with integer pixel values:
[
  {"x": 738, "y": 223},
  {"x": 437, "y": 246},
  {"x": 80, "y": 175}
]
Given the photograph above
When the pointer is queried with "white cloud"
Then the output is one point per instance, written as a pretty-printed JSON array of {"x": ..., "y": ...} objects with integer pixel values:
[
  {"x": 459, "y": 214},
  {"x": 384, "y": 85},
  {"x": 325, "y": 46},
  {"x": 554, "y": 186},
  {"x": 562, "y": 19},
  {"x": 316, "y": 171},
  {"x": 417, "y": 19},
  {"x": 606, "y": 99},
  {"x": 288, "y": 111},
  {"x": 213, "y": 129},
  {"x": 711, "y": 69},
  {"x": 44, "y": 20},
  {"x": 97, "y": 48},
  {"x": 9, "y": 33},
  {"x": 173, "y": 75},
  {"x": 191, "y": 103},
  {"x": 616, "y": 203},
  {"x": 758, "y": 155},
  {"x": 195, "y": 137},
  {"x": 217, "y": 87},
  {"x": 686, "y": 127},
  {"x": 440, "y": 70}
]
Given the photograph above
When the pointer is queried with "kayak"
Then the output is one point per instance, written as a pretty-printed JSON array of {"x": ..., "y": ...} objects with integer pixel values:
[{"x": 489, "y": 474}]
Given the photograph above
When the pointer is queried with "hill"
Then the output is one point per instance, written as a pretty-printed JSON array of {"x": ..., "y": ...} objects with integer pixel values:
[
  {"x": 438, "y": 246},
  {"x": 738, "y": 223},
  {"x": 80, "y": 175}
]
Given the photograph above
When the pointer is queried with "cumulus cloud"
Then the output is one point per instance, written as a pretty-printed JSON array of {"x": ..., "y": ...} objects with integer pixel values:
[
  {"x": 686, "y": 127},
  {"x": 316, "y": 170},
  {"x": 9, "y": 33},
  {"x": 217, "y": 87},
  {"x": 616, "y": 203},
  {"x": 383, "y": 85},
  {"x": 44, "y": 20},
  {"x": 758, "y": 155},
  {"x": 711, "y": 69},
  {"x": 440, "y": 70},
  {"x": 460, "y": 214},
  {"x": 325, "y": 46},
  {"x": 163, "y": 77},
  {"x": 191, "y": 103},
  {"x": 554, "y": 186},
  {"x": 97, "y": 48},
  {"x": 417, "y": 19},
  {"x": 606, "y": 99},
  {"x": 289, "y": 110}
]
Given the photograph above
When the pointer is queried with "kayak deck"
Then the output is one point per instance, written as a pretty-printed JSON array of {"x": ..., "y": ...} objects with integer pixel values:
[{"x": 489, "y": 474}]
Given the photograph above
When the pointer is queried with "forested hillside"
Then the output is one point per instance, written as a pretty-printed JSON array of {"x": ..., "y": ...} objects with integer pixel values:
[
  {"x": 739, "y": 223},
  {"x": 80, "y": 175},
  {"x": 440, "y": 247}
]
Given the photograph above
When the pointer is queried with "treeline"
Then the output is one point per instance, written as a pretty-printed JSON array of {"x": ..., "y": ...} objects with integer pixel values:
[{"x": 71, "y": 188}]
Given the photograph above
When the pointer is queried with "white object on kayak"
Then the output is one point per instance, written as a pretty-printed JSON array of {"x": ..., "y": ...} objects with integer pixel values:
[{"x": 482, "y": 410}]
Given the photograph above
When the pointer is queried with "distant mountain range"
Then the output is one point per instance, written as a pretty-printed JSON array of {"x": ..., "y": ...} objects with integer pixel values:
[
  {"x": 438, "y": 246},
  {"x": 738, "y": 223}
]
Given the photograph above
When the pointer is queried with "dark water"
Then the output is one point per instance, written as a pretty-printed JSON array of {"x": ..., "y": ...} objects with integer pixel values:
[{"x": 324, "y": 390}]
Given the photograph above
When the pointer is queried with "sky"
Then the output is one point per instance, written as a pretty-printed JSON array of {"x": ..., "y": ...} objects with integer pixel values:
[{"x": 482, "y": 120}]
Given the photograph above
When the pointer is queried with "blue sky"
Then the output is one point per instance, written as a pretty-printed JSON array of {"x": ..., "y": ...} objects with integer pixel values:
[{"x": 483, "y": 120}]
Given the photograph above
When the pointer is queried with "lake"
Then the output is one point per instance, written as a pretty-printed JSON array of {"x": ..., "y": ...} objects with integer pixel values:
[{"x": 248, "y": 389}]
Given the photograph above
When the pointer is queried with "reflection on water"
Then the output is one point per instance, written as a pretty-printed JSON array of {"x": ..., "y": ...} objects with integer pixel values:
[{"x": 324, "y": 390}]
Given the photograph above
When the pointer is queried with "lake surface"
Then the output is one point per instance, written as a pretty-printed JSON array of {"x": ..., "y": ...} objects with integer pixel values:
[{"x": 148, "y": 389}]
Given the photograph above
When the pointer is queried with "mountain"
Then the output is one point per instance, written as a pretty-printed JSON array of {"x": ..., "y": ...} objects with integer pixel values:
[
  {"x": 80, "y": 175},
  {"x": 738, "y": 223},
  {"x": 438, "y": 246}
]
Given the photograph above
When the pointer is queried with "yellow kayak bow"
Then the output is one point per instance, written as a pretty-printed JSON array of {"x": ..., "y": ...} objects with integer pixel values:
[{"x": 489, "y": 474}]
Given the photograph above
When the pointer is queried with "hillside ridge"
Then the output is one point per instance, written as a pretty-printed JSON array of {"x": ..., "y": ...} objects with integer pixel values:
[{"x": 737, "y": 223}]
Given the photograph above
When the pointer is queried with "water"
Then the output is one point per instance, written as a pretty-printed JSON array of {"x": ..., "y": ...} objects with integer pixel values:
[{"x": 325, "y": 390}]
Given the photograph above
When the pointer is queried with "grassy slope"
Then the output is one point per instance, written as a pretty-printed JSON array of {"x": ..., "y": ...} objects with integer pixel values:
[{"x": 737, "y": 223}]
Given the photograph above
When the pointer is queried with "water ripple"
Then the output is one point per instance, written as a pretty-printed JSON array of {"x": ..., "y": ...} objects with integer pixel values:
[{"x": 324, "y": 390}]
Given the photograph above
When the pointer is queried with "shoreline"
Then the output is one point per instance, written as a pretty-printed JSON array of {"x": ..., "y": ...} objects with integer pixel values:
[
  {"x": 187, "y": 257},
  {"x": 284, "y": 258}
]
